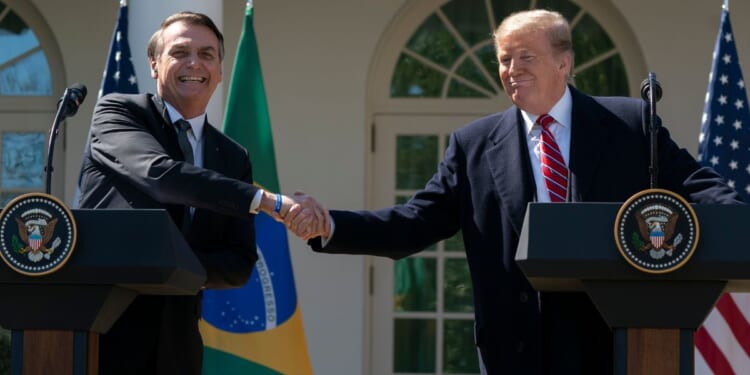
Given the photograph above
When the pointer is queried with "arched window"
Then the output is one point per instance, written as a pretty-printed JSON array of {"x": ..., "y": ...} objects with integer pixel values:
[
  {"x": 24, "y": 70},
  {"x": 452, "y": 55},
  {"x": 30, "y": 73}
]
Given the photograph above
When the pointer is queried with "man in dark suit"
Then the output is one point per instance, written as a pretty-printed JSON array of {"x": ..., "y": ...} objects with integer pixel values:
[
  {"x": 136, "y": 159},
  {"x": 494, "y": 166}
]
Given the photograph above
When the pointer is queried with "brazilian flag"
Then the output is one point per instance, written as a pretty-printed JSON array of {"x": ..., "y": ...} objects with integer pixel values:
[{"x": 256, "y": 329}]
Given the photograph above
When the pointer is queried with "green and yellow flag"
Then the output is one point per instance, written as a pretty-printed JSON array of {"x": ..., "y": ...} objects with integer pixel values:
[{"x": 256, "y": 329}]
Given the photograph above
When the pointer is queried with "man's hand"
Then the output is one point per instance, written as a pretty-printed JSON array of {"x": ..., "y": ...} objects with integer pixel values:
[
  {"x": 300, "y": 213},
  {"x": 307, "y": 218}
]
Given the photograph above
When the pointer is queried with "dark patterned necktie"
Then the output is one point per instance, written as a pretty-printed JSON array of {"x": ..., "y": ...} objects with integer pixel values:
[
  {"x": 553, "y": 165},
  {"x": 183, "y": 127}
]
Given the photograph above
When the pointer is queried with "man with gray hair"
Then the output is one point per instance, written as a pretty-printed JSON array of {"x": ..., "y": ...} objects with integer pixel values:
[{"x": 159, "y": 151}]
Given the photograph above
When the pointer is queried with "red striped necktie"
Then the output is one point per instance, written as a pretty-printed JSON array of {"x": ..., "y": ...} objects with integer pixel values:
[{"x": 553, "y": 164}]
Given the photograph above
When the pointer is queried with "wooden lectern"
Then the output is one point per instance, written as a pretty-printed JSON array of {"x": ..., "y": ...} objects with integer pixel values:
[
  {"x": 56, "y": 319},
  {"x": 571, "y": 247}
]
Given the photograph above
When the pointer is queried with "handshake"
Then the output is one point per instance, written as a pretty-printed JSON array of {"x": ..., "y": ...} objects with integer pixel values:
[{"x": 300, "y": 213}]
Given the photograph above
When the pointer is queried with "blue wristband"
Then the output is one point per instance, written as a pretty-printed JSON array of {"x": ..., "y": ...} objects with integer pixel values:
[{"x": 277, "y": 209}]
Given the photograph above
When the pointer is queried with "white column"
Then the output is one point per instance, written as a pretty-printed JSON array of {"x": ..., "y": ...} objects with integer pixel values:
[{"x": 144, "y": 19}]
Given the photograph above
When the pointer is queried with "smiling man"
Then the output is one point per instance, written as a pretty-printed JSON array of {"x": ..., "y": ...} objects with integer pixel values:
[
  {"x": 555, "y": 144},
  {"x": 159, "y": 151}
]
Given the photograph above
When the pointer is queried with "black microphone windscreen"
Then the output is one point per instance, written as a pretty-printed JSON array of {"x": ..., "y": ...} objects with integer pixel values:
[
  {"x": 72, "y": 99},
  {"x": 646, "y": 90},
  {"x": 79, "y": 91}
]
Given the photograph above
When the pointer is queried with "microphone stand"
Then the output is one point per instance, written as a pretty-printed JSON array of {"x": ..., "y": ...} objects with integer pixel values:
[
  {"x": 53, "y": 131},
  {"x": 654, "y": 126}
]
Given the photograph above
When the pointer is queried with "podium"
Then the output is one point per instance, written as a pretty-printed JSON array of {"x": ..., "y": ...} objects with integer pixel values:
[
  {"x": 571, "y": 247},
  {"x": 56, "y": 319}
]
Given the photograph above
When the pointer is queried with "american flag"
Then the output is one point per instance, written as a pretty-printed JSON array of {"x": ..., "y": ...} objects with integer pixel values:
[
  {"x": 119, "y": 74},
  {"x": 722, "y": 343}
]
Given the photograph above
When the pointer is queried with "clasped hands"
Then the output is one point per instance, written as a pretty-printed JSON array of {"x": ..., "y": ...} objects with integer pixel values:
[{"x": 302, "y": 215}]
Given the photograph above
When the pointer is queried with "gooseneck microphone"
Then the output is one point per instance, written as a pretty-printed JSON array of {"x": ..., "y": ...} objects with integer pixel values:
[
  {"x": 71, "y": 100},
  {"x": 67, "y": 106},
  {"x": 651, "y": 93}
]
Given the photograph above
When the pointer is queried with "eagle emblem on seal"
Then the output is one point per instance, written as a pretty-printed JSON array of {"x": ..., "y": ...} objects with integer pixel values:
[
  {"x": 656, "y": 231},
  {"x": 656, "y": 226},
  {"x": 36, "y": 229}
]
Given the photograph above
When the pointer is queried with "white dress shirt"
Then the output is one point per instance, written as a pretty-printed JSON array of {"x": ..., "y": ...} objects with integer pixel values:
[
  {"x": 560, "y": 129},
  {"x": 195, "y": 137}
]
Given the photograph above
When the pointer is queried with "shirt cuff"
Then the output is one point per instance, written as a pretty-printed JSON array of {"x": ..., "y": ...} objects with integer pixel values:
[
  {"x": 325, "y": 240},
  {"x": 255, "y": 203}
]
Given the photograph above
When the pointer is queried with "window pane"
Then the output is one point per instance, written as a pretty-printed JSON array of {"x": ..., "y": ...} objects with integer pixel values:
[
  {"x": 471, "y": 71},
  {"x": 433, "y": 41},
  {"x": 29, "y": 75},
  {"x": 590, "y": 40},
  {"x": 23, "y": 160},
  {"x": 489, "y": 59},
  {"x": 15, "y": 37},
  {"x": 414, "y": 283},
  {"x": 416, "y": 160},
  {"x": 606, "y": 78},
  {"x": 469, "y": 17},
  {"x": 460, "y": 353},
  {"x": 414, "y": 345},
  {"x": 457, "y": 289},
  {"x": 455, "y": 243},
  {"x": 413, "y": 79},
  {"x": 459, "y": 90}
]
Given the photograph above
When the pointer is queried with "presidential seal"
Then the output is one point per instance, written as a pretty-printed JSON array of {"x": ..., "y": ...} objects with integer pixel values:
[
  {"x": 656, "y": 231},
  {"x": 38, "y": 234}
]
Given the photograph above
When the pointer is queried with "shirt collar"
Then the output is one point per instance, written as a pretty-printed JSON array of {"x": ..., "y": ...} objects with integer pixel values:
[
  {"x": 561, "y": 112},
  {"x": 196, "y": 122}
]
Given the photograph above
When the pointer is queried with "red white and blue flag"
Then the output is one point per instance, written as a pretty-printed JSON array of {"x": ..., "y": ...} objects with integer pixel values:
[{"x": 722, "y": 343}]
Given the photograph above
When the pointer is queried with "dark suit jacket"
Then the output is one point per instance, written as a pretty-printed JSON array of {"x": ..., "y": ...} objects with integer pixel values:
[
  {"x": 482, "y": 188},
  {"x": 134, "y": 161}
]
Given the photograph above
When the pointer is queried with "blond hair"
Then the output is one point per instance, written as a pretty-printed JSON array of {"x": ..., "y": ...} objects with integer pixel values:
[{"x": 553, "y": 24}]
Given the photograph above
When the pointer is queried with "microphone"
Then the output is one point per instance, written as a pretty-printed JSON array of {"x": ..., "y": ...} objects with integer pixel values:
[
  {"x": 71, "y": 100},
  {"x": 651, "y": 93},
  {"x": 646, "y": 89}
]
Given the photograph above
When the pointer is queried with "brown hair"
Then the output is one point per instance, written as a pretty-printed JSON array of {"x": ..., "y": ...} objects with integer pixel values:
[{"x": 155, "y": 46}]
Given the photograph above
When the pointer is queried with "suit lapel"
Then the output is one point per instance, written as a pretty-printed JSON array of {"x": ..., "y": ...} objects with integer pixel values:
[
  {"x": 165, "y": 132},
  {"x": 161, "y": 108},
  {"x": 587, "y": 143},
  {"x": 211, "y": 154},
  {"x": 508, "y": 163}
]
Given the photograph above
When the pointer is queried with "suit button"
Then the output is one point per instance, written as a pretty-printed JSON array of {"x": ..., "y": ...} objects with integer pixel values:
[
  {"x": 520, "y": 347},
  {"x": 523, "y": 297}
]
